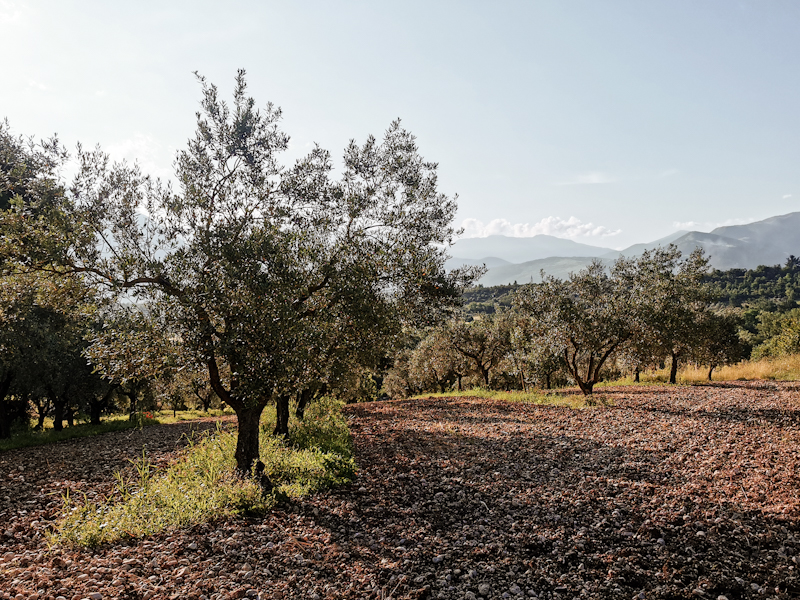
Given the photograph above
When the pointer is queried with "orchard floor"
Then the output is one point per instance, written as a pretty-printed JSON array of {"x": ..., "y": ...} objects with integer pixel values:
[{"x": 671, "y": 492}]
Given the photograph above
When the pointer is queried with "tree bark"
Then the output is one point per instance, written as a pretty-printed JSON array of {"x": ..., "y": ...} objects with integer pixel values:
[
  {"x": 133, "y": 397},
  {"x": 96, "y": 406},
  {"x": 247, "y": 439},
  {"x": 636, "y": 375},
  {"x": 673, "y": 369},
  {"x": 58, "y": 411},
  {"x": 303, "y": 399},
  {"x": 6, "y": 412},
  {"x": 58, "y": 416},
  {"x": 710, "y": 371},
  {"x": 282, "y": 413}
]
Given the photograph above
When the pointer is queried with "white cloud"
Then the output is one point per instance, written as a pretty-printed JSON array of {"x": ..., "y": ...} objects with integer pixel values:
[
  {"x": 668, "y": 173},
  {"x": 591, "y": 178},
  {"x": 36, "y": 84},
  {"x": 785, "y": 196},
  {"x": 555, "y": 226},
  {"x": 10, "y": 12}
]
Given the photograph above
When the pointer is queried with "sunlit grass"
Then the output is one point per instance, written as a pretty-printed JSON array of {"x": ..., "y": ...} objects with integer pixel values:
[
  {"x": 203, "y": 484},
  {"x": 786, "y": 368},
  {"x": 117, "y": 422},
  {"x": 550, "y": 398}
]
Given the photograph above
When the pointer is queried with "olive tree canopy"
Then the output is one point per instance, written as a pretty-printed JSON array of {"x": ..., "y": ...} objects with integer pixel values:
[{"x": 260, "y": 269}]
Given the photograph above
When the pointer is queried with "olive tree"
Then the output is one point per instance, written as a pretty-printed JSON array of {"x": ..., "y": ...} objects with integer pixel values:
[
  {"x": 254, "y": 265},
  {"x": 643, "y": 305},
  {"x": 482, "y": 343}
]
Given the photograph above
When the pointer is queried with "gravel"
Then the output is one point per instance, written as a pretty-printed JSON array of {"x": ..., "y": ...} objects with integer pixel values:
[{"x": 670, "y": 492}]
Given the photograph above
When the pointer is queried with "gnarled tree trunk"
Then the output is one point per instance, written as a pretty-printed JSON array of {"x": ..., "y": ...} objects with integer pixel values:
[
  {"x": 248, "y": 420},
  {"x": 673, "y": 369},
  {"x": 282, "y": 420}
]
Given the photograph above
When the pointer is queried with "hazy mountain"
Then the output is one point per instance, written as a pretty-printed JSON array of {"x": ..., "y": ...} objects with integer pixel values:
[
  {"x": 527, "y": 272},
  {"x": 637, "y": 249},
  {"x": 522, "y": 249},
  {"x": 767, "y": 242},
  {"x": 489, "y": 261}
]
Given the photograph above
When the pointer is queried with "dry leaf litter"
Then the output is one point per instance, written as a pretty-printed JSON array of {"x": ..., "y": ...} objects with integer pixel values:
[{"x": 670, "y": 492}]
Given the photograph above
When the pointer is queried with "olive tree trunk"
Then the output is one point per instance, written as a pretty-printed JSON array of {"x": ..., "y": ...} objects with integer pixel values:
[{"x": 247, "y": 445}]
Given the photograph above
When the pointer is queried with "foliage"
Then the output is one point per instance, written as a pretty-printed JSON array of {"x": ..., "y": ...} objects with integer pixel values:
[
  {"x": 782, "y": 333},
  {"x": 487, "y": 300},
  {"x": 482, "y": 343},
  {"x": 775, "y": 288},
  {"x": 269, "y": 277},
  {"x": 584, "y": 319},
  {"x": 204, "y": 483}
]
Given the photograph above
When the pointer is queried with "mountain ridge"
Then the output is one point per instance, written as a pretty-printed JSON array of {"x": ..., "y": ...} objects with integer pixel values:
[{"x": 766, "y": 242}]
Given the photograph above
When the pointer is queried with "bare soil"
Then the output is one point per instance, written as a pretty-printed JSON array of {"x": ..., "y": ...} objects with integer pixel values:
[{"x": 670, "y": 492}]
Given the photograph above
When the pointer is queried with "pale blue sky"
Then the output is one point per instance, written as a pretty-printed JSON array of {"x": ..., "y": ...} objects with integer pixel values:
[{"x": 577, "y": 118}]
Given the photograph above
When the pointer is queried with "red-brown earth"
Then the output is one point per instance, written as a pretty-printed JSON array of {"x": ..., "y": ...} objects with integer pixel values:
[{"x": 670, "y": 492}]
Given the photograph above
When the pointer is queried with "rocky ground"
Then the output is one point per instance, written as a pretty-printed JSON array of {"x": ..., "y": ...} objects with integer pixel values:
[{"x": 671, "y": 492}]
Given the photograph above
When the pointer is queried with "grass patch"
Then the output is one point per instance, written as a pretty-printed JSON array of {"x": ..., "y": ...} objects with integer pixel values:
[
  {"x": 119, "y": 422},
  {"x": 79, "y": 430},
  {"x": 785, "y": 368},
  {"x": 203, "y": 485},
  {"x": 551, "y": 398}
]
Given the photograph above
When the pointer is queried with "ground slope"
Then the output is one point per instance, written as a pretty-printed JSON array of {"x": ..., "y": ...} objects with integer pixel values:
[{"x": 672, "y": 492}]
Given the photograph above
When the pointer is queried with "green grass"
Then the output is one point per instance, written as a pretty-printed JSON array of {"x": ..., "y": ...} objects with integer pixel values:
[
  {"x": 118, "y": 422},
  {"x": 551, "y": 398},
  {"x": 203, "y": 485}
]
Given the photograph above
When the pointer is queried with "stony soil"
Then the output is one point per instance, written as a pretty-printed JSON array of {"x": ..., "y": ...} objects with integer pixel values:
[{"x": 671, "y": 492}]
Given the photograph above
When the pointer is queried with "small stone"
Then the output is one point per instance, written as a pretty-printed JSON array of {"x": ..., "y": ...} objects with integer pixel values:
[
  {"x": 438, "y": 559},
  {"x": 192, "y": 546},
  {"x": 484, "y": 590},
  {"x": 755, "y": 587},
  {"x": 701, "y": 534},
  {"x": 95, "y": 596},
  {"x": 469, "y": 596},
  {"x": 251, "y": 593},
  {"x": 247, "y": 567},
  {"x": 721, "y": 597},
  {"x": 660, "y": 541},
  {"x": 362, "y": 490},
  {"x": 516, "y": 590}
]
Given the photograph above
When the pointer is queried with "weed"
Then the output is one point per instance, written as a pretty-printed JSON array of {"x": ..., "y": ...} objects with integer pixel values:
[{"x": 203, "y": 484}]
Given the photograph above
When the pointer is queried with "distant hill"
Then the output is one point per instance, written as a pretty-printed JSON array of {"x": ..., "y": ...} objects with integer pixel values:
[
  {"x": 521, "y": 249},
  {"x": 530, "y": 272},
  {"x": 767, "y": 242},
  {"x": 489, "y": 261},
  {"x": 637, "y": 249}
]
